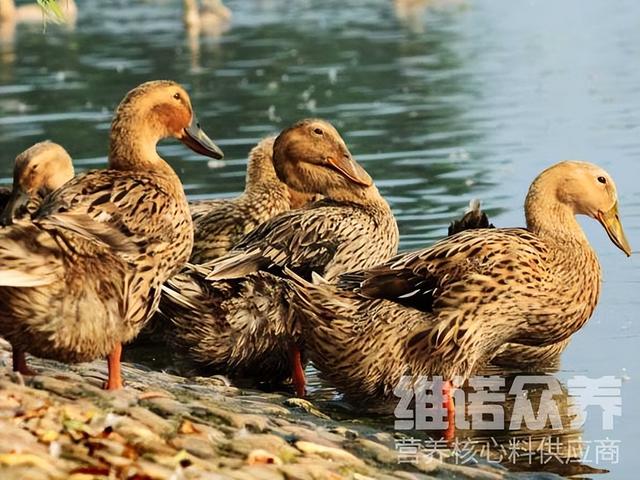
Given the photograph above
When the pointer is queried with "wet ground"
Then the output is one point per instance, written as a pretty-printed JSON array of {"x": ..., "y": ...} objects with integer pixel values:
[
  {"x": 440, "y": 100},
  {"x": 60, "y": 424}
]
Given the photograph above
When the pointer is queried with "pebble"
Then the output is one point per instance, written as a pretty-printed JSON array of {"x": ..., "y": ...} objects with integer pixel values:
[
  {"x": 375, "y": 450},
  {"x": 61, "y": 425},
  {"x": 331, "y": 453}
]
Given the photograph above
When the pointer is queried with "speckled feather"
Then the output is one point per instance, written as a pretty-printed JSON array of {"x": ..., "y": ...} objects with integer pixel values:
[
  {"x": 220, "y": 223},
  {"x": 443, "y": 310},
  {"x": 98, "y": 249},
  {"x": 326, "y": 237},
  {"x": 246, "y": 338},
  {"x": 329, "y": 236},
  {"x": 446, "y": 309},
  {"x": 511, "y": 355},
  {"x": 117, "y": 279}
]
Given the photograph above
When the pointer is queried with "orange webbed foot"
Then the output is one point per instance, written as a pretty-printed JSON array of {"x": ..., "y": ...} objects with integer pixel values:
[
  {"x": 114, "y": 381},
  {"x": 298, "y": 377},
  {"x": 447, "y": 391}
]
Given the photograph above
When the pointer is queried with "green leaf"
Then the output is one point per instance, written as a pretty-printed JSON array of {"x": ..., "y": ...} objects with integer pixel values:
[{"x": 52, "y": 10}]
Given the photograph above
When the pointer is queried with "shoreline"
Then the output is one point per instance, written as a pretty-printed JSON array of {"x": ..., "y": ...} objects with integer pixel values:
[{"x": 61, "y": 424}]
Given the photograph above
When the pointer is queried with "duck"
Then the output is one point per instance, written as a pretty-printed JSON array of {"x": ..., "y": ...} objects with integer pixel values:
[
  {"x": 212, "y": 17},
  {"x": 34, "y": 13},
  {"x": 445, "y": 309},
  {"x": 511, "y": 356},
  {"x": 82, "y": 276},
  {"x": 38, "y": 171},
  {"x": 229, "y": 316},
  {"x": 220, "y": 223}
]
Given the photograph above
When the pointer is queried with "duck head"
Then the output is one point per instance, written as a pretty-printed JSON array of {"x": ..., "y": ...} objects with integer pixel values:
[
  {"x": 311, "y": 157},
  {"x": 148, "y": 113},
  {"x": 261, "y": 172},
  {"x": 584, "y": 189},
  {"x": 38, "y": 171}
]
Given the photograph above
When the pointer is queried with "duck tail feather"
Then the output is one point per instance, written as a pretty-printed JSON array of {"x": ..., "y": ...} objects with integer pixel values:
[
  {"x": 474, "y": 218},
  {"x": 91, "y": 230},
  {"x": 234, "y": 265}
]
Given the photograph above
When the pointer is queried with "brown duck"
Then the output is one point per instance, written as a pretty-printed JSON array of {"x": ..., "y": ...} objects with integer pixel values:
[
  {"x": 511, "y": 356},
  {"x": 445, "y": 309},
  {"x": 234, "y": 321},
  {"x": 220, "y": 223},
  {"x": 38, "y": 171},
  {"x": 84, "y": 275}
]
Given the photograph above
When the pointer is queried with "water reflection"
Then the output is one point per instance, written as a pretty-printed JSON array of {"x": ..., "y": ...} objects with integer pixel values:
[
  {"x": 532, "y": 429},
  {"x": 411, "y": 13},
  {"x": 209, "y": 19}
]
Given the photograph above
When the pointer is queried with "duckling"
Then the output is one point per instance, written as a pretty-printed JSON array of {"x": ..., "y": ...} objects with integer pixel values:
[
  {"x": 444, "y": 310},
  {"x": 38, "y": 171},
  {"x": 219, "y": 224},
  {"x": 84, "y": 274},
  {"x": 230, "y": 315},
  {"x": 34, "y": 13}
]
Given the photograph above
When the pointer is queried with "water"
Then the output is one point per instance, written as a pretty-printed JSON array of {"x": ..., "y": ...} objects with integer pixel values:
[{"x": 455, "y": 100}]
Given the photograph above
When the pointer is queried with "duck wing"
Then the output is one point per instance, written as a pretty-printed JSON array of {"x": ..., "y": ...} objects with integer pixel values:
[
  {"x": 304, "y": 241},
  {"x": 114, "y": 208},
  {"x": 201, "y": 208},
  {"x": 477, "y": 261},
  {"x": 31, "y": 263},
  {"x": 218, "y": 226}
]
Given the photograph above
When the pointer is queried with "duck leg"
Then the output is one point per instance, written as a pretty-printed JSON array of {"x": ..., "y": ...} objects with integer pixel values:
[
  {"x": 297, "y": 376},
  {"x": 20, "y": 362},
  {"x": 447, "y": 397},
  {"x": 114, "y": 382}
]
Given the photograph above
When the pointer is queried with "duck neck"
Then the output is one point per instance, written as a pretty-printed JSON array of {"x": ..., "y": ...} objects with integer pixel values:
[
  {"x": 261, "y": 174},
  {"x": 552, "y": 220},
  {"x": 135, "y": 148},
  {"x": 577, "y": 270},
  {"x": 368, "y": 196},
  {"x": 191, "y": 14}
]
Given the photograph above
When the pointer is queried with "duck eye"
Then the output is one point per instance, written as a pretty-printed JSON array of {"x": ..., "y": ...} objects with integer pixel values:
[
  {"x": 602, "y": 180},
  {"x": 318, "y": 131},
  {"x": 176, "y": 96}
]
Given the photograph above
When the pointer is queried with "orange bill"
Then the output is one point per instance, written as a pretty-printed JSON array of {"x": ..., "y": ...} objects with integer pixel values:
[{"x": 351, "y": 170}]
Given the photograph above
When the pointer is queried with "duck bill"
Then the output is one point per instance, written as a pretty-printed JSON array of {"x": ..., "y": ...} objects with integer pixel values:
[
  {"x": 198, "y": 141},
  {"x": 610, "y": 220},
  {"x": 17, "y": 201},
  {"x": 351, "y": 171}
]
